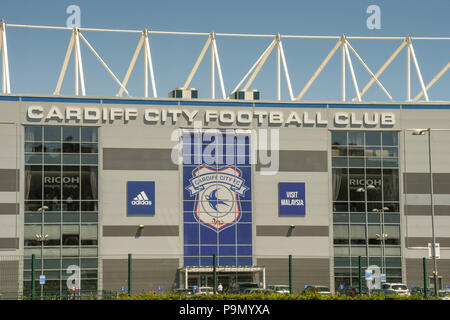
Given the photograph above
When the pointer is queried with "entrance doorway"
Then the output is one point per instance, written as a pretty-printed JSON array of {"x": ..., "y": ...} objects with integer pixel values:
[{"x": 229, "y": 277}]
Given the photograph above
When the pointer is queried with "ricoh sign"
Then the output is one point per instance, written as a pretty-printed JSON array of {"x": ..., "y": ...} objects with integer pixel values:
[{"x": 252, "y": 116}]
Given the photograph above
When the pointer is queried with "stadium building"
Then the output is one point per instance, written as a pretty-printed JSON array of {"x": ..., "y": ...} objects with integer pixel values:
[{"x": 89, "y": 182}]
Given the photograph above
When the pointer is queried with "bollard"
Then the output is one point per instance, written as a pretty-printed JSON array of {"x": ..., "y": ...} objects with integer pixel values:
[
  {"x": 360, "y": 274},
  {"x": 33, "y": 277},
  {"x": 129, "y": 273},
  {"x": 290, "y": 274},
  {"x": 425, "y": 280},
  {"x": 214, "y": 274}
]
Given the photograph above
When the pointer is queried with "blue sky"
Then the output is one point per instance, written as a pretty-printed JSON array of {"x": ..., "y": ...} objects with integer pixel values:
[{"x": 36, "y": 56}]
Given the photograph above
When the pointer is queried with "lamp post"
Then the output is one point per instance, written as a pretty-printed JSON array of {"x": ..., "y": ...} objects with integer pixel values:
[
  {"x": 365, "y": 189},
  {"x": 42, "y": 238},
  {"x": 382, "y": 237},
  {"x": 421, "y": 132}
]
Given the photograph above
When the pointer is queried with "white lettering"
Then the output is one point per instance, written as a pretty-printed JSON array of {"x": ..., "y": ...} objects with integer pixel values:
[
  {"x": 293, "y": 118},
  {"x": 387, "y": 119},
  {"x": 54, "y": 113},
  {"x": 130, "y": 113},
  {"x": 275, "y": 117},
  {"x": 91, "y": 114},
  {"x": 73, "y": 112},
  {"x": 151, "y": 115},
  {"x": 35, "y": 112}
]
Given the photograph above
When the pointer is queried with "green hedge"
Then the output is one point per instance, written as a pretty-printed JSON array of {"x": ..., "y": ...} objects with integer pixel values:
[{"x": 262, "y": 296}]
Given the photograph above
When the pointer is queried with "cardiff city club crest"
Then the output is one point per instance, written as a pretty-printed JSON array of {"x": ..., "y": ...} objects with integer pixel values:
[{"x": 217, "y": 191}]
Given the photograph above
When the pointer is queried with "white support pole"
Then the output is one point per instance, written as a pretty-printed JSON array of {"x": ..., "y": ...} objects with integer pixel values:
[
  {"x": 419, "y": 74},
  {"x": 79, "y": 64},
  {"x": 369, "y": 71},
  {"x": 260, "y": 65},
  {"x": 145, "y": 73},
  {"x": 219, "y": 69},
  {"x": 213, "y": 75},
  {"x": 343, "y": 89},
  {"x": 286, "y": 73},
  {"x": 352, "y": 72},
  {"x": 252, "y": 68},
  {"x": 5, "y": 62},
  {"x": 65, "y": 63},
  {"x": 278, "y": 69},
  {"x": 103, "y": 63},
  {"x": 408, "y": 70},
  {"x": 433, "y": 81},
  {"x": 75, "y": 63},
  {"x": 383, "y": 67},
  {"x": 322, "y": 65},
  {"x": 150, "y": 64},
  {"x": 197, "y": 63},
  {"x": 131, "y": 66}
]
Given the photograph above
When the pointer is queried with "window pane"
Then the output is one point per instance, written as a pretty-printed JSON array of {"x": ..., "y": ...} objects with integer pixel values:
[
  {"x": 52, "y": 133},
  {"x": 339, "y": 151},
  {"x": 373, "y": 138},
  {"x": 390, "y": 185},
  {"x": 52, "y": 147},
  {"x": 356, "y": 183},
  {"x": 358, "y": 234},
  {"x": 52, "y": 182},
  {"x": 89, "y": 134},
  {"x": 340, "y": 234},
  {"x": 71, "y": 134},
  {"x": 341, "y": 251},
  {"x": 339, "y": 138},
  {"x": 71, "y": 183},
  {"x": 390, "y": 138},
  {"x": 33, "y": 146},
  {"x": 89, "y": 148},
  {"x": 340, "y": 185},
  {"x": 89, "y": 188},
  {"x": 33, "y": 182},
  {"x": 71, "y": 147},
  {"x": 356, "y": 138},
  {"x": 33, "y": 133}
]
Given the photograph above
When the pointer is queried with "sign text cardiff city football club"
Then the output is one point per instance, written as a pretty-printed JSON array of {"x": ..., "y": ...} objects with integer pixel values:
[{"x": 226, "y": 117}]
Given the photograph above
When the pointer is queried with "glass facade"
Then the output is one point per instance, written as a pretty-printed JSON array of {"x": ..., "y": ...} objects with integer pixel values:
[
  {"x": 217, "y": 216},
  {"x": 61, "y": 206},
  {"x": 366, "y": 219}
]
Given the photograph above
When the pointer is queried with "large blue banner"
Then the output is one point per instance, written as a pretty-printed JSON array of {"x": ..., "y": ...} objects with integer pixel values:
[{"x": 217, "y": 199}]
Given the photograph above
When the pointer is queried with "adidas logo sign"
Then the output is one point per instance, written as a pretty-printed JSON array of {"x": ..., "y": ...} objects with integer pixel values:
[{"x": 141, "y": 200}]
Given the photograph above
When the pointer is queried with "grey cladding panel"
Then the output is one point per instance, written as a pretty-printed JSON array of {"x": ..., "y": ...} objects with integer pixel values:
[
  {"x": 9, "y": 243},
  {"x": 9, "y": 208},
  {"x": 9, "y": 181},
  {"x": 419, "y": 183},
  {"x": 425, "y": 210},
  {"x": 287, "y": 231},
  {"x": 301, "y": 161},
  {"x": 135, "y": 231},
  {"x": 424, "y": 241},
  {"x": 137, "y": 159}
]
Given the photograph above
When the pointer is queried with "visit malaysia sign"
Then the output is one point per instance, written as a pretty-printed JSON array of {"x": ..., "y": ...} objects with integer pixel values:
[{"x": 291, "y": 198}]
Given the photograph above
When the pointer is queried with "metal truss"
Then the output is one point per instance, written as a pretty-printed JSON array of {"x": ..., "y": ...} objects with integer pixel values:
[{"x": 342, "y": 43}]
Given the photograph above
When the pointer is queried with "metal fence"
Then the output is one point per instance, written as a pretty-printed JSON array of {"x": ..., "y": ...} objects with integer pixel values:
[{"x": 108, "y": 276}]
